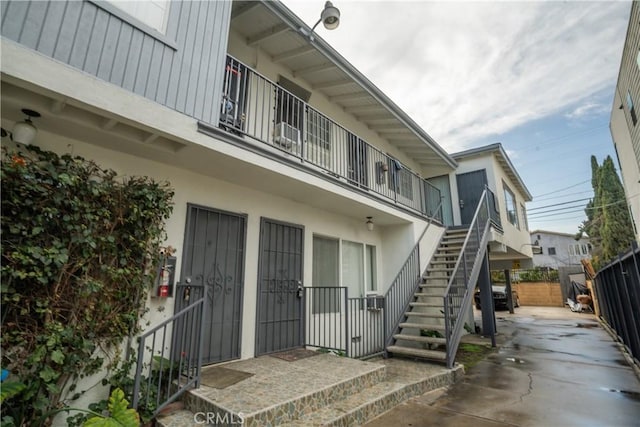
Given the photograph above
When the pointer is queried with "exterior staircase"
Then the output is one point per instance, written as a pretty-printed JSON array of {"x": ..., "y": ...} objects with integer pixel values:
[{"x": 422, "y": 332}]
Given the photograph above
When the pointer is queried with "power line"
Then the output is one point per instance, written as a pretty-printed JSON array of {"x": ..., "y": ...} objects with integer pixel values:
[
  {"x": 562, "y": 189},
  {"x": 558, "y": 204},
  {"x": 546, "y": 213},
  {"x": 565, "y": 195}
]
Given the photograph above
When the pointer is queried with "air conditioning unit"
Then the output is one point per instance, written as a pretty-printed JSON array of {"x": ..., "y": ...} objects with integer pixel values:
[
  {"x": 286, "y": 135},
  {"x": 375, "y": 302}
]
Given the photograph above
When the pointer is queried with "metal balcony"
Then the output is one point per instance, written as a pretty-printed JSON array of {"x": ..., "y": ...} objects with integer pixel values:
[{"x": 254, "y": 107}]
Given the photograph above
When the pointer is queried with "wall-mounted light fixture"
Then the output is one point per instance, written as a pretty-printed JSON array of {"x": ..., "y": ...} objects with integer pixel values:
[
  {"x": 23, "y": 132},
  {"x": 370, "y": 223},
  {"x": 330, "y": 18}
]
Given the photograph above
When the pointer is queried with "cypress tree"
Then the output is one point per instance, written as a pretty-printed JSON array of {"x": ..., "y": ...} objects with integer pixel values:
[
  {"x": 616, "y": 229},
  {"x": 608, "y": 221}
]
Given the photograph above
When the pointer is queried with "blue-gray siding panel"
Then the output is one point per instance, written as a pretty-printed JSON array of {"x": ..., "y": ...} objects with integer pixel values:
[
  {"x": 111, "y": 39},
  {"x": 32, "y": 26},
  {"x": 13, "y": 20},
  {"x": 67, "y": 32},
  {"x": 82, "y": 34}
]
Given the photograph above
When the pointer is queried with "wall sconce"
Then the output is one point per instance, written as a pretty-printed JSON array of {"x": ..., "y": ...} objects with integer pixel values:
[
  {"x": 369, "y": 223},
  {"x": 23, "y": 132},
  {"x": 330, "y": 18}
]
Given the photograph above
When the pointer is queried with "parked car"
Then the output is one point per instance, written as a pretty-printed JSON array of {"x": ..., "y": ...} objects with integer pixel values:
[{"x": 499, "y": 297}]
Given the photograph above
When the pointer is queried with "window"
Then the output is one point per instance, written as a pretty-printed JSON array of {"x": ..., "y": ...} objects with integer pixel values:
[
  {"x": 370, "y": 267},
  {"x": 551, "y": 251},
  {"x": 290, "y": 108},
  {"x": 153, "y": 13},
  {"x": 234, "y": 102},
  {"x": 523, "y": 212},
  {"x": 584, "y": 249},
  {"x": 356, "y": 263},
  {"x": 325, "y": 274},
  {"x": 572, "y": 250},
  {"x": 317, "y": 129},
  {"x": 510, "y": 204},
  {"x": 400, "y": 178},
  {"x": 631, "y": 108},
  {"x": 353, "y": 268}
]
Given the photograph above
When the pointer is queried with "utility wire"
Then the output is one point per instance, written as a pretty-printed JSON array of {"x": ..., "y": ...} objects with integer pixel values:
[
  {"x": 565, "y": 195},
  {"x": 558, "y": 204},
  {"x": 544, "y": 213},
  {"x": 562, "y": 189}
]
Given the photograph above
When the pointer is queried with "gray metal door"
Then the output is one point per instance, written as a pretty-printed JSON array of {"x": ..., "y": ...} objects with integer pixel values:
[
  {"x": 279, "y": 318},
  {"x": 213, "y": 265},
  {"x": 470, "y": 188}
]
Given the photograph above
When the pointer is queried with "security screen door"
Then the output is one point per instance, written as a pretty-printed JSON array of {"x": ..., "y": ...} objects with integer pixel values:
[
  {"x": 279, "y": 313},
  {"x": 213, "y": 265}
]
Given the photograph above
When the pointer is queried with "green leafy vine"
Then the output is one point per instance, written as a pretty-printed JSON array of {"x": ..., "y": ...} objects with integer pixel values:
[{"x": 78, "y": 244}]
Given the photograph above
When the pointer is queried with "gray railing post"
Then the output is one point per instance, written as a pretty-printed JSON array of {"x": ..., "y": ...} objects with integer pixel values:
[
  {"x": 138, "y": 374},
  {"x": 203, "y": 316},
  {"x": 346, "y": 323}
]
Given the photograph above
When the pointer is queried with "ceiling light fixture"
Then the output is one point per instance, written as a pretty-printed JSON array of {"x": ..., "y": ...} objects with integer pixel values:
[
  {"x": 23, "y": 132},
  {"x": 370, "y": 223}
]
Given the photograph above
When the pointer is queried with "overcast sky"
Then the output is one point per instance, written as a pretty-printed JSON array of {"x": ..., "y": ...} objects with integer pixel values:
[{"x": 539, "y": 77}]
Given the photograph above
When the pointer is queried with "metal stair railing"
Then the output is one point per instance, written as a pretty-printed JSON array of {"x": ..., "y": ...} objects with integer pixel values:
[
  {"x": 167, "y": 367},
  {"x": 403, "y": 288},
  {"x": 459, "y": 292}
]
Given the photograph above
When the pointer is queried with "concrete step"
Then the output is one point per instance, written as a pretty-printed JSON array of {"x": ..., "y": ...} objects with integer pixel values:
[
  {"x": 419, "y": 338},
  {"x": 442, "y": 262},
  {"x": 415, "y": 325},
  {"x": 425, "y": 315},
  {"x": 416, "y": 352},
  {"x": 359, "y": 408},
  {"x": 184, "y": 417},
  {"x": 425, "y": 304},
  {"x": 268, "y": 398},
  {"x": 451, "y": 241}
]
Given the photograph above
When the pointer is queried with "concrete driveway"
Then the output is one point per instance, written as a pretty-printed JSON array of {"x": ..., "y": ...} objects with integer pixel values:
[{"x": 554, "y": 367}]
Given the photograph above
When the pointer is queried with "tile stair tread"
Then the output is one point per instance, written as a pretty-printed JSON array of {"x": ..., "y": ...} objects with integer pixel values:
[
  {"x": 427, "y": 354},
  {"x": 419, "y": 338},
  {"x": 330, "y": 414}
]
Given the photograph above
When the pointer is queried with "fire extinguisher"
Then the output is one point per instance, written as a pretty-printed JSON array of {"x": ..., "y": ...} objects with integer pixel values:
[{"x": 163, "y": 289}]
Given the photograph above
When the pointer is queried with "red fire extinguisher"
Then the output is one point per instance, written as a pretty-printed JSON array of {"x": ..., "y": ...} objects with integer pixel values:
[{"x": 163, "y": 289}]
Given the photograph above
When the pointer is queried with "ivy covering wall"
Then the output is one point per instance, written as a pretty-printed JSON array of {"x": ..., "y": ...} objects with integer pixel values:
[{"x": 78, "y": 244}]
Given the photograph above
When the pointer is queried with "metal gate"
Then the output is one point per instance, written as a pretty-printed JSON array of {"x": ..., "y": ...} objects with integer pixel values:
[
  {"x": 279, "y": 317},
  {"x": 213, "y": 265}
]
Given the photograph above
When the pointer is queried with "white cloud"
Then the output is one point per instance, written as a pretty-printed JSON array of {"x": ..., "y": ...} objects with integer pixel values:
[
  {"x": 466, "y": 71},
  {"x": 587, "y": 110}
]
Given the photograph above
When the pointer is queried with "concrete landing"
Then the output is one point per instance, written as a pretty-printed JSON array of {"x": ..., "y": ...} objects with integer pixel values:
[
  {"x": 323, "y": 390},
  {"x": 554, "y": 368}
]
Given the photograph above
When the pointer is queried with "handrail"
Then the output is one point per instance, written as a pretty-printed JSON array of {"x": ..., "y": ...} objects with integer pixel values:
[
  {"x": 397, "y": 305},
  {"x": 255, "y": 107},
  {"x": 169, "y": 375},
  {"x": 478, "y": 232}
]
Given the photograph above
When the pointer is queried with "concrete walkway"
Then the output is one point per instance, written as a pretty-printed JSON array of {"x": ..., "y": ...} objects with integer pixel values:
[{"x": 554, "y": 367}]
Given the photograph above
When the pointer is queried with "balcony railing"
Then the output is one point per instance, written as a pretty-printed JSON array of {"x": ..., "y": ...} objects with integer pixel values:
[{"x": 254, "y": 107}]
